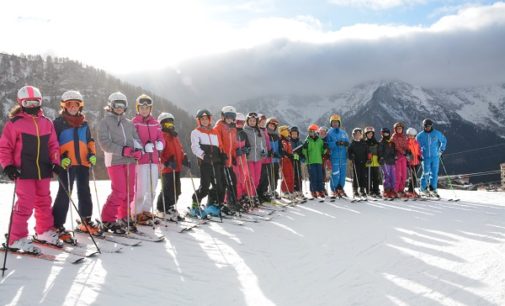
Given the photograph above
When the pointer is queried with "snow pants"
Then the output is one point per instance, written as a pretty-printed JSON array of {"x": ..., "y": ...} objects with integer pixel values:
[
  {"x": 316, "y": 178},
  {"x": 288, "y": 177},
  {"x": 146, "y": 175},
  {"x": 413, "y": 177},
  {"x": 337, "y": 178},
  {"x": 430, "y": 173},
  {"x": 32, "y": 194},
  {"x": 373, "y": 180},
  {"x": 400, "y": 173},
  {"x": 389, "y": 177},
  {"x": 210, "y": 174},
  {"x": 167, "y": 191},
  {"x": 362, "y": 177},
  {"x": 122, "y": 179},
  {"x": 80, "y": 174},
  {"x": 244, "y": 183},
  {"x": 255, "y": 172},
  {"x": 297, "y": 170}
]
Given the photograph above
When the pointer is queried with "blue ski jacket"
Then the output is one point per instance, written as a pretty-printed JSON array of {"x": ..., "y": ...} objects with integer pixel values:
[
  {"x": 432, "y": 143},
  {"x": 338, "y": 151}
]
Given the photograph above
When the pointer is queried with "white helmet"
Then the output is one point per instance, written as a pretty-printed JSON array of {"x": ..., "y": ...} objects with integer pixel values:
[
  {"x": 165, "y": 116},
  {"x": 71, "y": 95},
  {"x": 116, "y": 97},
  {"x": 229, "y": 111},
  {"x": 240, "y": 117},
  {"x": 29, "y": 93},
  {"x": 411, "y": 131}
]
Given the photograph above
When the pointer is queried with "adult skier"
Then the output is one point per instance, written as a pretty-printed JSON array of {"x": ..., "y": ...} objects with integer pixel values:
[{"x": 337, "y": 142}]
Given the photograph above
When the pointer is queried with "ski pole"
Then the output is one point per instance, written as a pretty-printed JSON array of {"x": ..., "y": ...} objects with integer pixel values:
[
  {"x": 9, "y": 230},
  {"x": 70, "y": 195},
  {"x": 96, "y": 192},
  {"x": 175, "y": 188},
  {"x": 369, "y": 174},
  {"x": 356, "y": 179},
  {"x": 128, "y": 198},
  {"x": 195, "y": 193},
  {"x": 449, "y": 180},
  {"x": 232, "y": 187},
  {"x": 247, "y": 182},
  {"x": 214, "y": 186},
  {"x": 151, "y": 189},
  {"x": 78, "y": 213}
]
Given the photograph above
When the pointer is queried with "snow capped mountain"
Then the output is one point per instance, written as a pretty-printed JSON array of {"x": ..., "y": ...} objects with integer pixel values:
[{"x": 470, "y": 117}]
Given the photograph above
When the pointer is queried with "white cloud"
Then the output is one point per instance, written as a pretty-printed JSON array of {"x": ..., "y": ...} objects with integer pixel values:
[{"x": 376, "y": 4}]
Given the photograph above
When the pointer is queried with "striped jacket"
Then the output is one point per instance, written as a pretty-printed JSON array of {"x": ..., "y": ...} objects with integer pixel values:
[{"x": 75, "y": 142}]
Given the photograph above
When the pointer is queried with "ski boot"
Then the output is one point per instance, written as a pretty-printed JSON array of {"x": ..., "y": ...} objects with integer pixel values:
[
  {"x": 113, "y": 227},
  {"x": 434, "y": 194},
  {"x": 173, "y": 215},
  {"x": 24, "y": 245},
  {"x": 89, "y": 226},
  {"x": 143, "y": 219},
  {"x": 124, "y": 225},
  {"x": 66, "y": 236},
  {"x": 49, "y": 237}
]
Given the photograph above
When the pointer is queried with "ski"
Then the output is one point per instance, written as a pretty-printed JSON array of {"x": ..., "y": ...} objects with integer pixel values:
[
  {"x": 138, "y": 235},
  {"x": 257, "y": 216},
  {"x": 103, "y": 248},
  {"x": 64, "y": 248},
  {"x": 241, "y": 218},
  {"x": 184, "y": 225},
  {"x": 112, "y": 238},
  {"x": 43, "y": 256},
  {"x": 273, "y": 207}
]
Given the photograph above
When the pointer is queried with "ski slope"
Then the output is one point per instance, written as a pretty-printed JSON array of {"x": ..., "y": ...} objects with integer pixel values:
[{"x": 341, "y": 253}]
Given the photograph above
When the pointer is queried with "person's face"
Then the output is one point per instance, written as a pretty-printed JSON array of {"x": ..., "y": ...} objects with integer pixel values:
[
  {"x": 251, "y": 121},
  {"x": 335, "y": 124},
  {"x": 271, "y": 126},
  {"x": 239, "y": 124},
  {"x": 369, "y": 135},
  {"x": 72, "y": 108},
  {"x": 411, "y": 136},
  {"x": 294, "y": 135},
  {"x": 358, "y": 136},
  {"x": 205, "y": 121},
  {"x": 228, "y": 120},
  {"x": 399, "y": 129},
  {"x": 144, "y": 110},
  {"x": 322, "y": 133},
  {"x": 427, "y": 128},
  {"x": 312, "y": 133},
  {"x": 262, "y": 123},
  {"x": 119, "y": 110}
]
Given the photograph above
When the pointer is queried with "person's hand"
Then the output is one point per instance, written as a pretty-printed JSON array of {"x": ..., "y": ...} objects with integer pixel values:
[
  {"x": 186, "y": 162},
  {"x": 92, "y": 159},
  {"x": 12, "y": 172},
  {"x": 159, "y": 146},
  {"x": 65, "y": 162},
  {"x": 149, "y": 147},
  {"x": 57, "y": 169}
]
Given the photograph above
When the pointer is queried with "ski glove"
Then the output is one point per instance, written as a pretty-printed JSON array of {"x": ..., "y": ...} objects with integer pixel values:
[
  {"x": 263, "y": 153},
  {"x": 65, "y": 162},
  {"x": 170, "y": 163},
  {"x": 12, "y": 172},
  {"x": 296, "y": 157},
  {"x": 129, "y": 152},
  {"x": 223, "y": 156},
  {"x": 92, "y": 159},
  {"x": 186, "y": 162},
  {"x": 440, "y": 153},
  {"x": 149, "y": 147},
  {"x": 351, "y": 157},
  {"x": 57, "y": 169},
  {"x": 159, "y": 146}
]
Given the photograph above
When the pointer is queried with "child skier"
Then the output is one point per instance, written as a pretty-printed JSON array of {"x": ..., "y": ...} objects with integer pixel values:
[
  {"x": 323, "y": 131},
  {"x": 287, "y": 184},
  {"x": 78, "y": 153},
  {"x": 337, "y": 142},
  {"x": 258, "y": 149},
  {"x": 275, "y": 152},
  {"x": 206, "y": 147},
  {"x": 172, "y": 159},
  {"x": 372, "y": 162},
  {"x": 245, "y": 192},
  {"x": 358, "y": 154},
  {"x": 387, "y": 156},
  {"x": 120, "y": 142},
  {"x": 433, "y": 144},
  {"x": 414, "y": 158},
  {"x": 29, "y": 154},
  {"x": 400, "y": 141},
  {"x": 225, "y": 128},
  {"x": 149, "y": 131},
  {"x": 262, "y": 190},
  {"x": 298, "y": 158},
  {"x": 313, "y": 150}
]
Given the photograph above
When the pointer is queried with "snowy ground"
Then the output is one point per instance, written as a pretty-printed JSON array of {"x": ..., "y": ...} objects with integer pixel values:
[{"x": 392, "y": 253}]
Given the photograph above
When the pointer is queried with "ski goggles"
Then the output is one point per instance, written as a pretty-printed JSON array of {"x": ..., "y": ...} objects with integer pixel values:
[
  {"x": 31, "y": 103},
  {"x": 145, "y": 102},
  {"x": 230, "y": 116},
  {"x": 119, "y": 104},
  {"x": 167, "y": 125},
  {"x": 252, "y": 115}
]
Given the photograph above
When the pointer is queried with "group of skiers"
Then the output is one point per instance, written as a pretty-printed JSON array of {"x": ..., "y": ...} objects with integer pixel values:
[{"x": 242, "y": 157}]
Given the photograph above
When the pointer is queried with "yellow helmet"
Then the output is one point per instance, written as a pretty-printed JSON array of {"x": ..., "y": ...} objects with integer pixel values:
[
  {"x": 335, "y": 117},
  {"x": 283, "y": 130},
  {"x": 143, "y": 99}
]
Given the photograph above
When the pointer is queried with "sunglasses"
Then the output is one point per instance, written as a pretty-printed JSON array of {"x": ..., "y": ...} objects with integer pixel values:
[{"x": 31, "y": 103}]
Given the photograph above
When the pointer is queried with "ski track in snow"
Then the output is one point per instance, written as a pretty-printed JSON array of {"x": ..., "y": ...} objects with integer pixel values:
[{"x": 341, "y": 253}]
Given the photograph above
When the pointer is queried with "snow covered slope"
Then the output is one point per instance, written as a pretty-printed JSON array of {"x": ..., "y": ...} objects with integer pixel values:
[{"x": 378, "y": 253}]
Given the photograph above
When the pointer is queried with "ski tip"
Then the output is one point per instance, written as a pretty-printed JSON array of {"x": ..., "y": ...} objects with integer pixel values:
[{"x": 78, "y": 260}]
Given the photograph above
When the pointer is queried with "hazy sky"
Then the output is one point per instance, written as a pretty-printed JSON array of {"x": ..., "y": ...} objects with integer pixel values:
[{"x": 129, "y": 36}]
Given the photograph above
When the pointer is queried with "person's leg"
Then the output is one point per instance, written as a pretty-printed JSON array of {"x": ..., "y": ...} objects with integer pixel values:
[
  {"x": 22, "y": 209},
  {"x": 83, "y": 191},
  {"x": 43, "y": 215},
  {"x": 117, "y": 176},
  {"x": 434, "y": 170},
  {"x": 61, "y": 203}
]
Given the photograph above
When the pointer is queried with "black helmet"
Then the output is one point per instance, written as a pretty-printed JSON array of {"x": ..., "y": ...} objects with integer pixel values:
[
  {"x": 294, "y": 129},
  {"x": 427, "y": 122},
  {"x": 203, "y": 112},
  {"x": 385, "y": 131}
]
